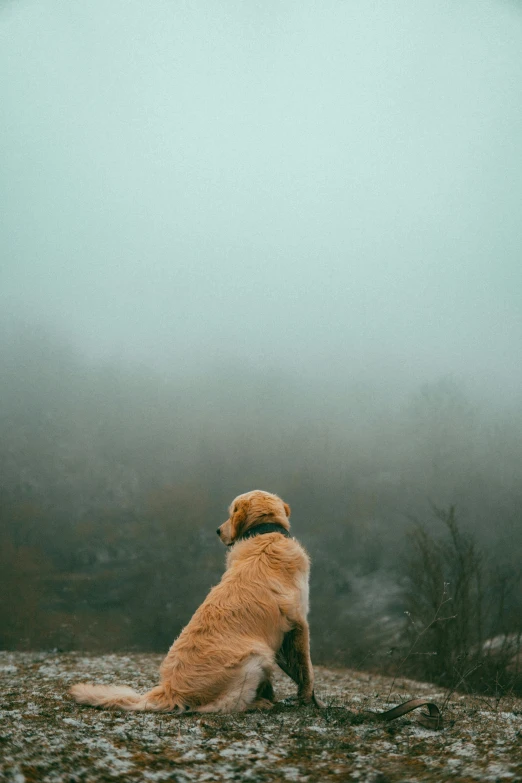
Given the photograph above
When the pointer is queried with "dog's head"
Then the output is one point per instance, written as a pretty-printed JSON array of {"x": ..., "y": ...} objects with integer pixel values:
[{"x": 251, "y": 509}]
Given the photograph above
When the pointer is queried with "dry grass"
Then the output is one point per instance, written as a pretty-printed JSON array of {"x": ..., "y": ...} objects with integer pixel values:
[{"x": 46, "y": 737}]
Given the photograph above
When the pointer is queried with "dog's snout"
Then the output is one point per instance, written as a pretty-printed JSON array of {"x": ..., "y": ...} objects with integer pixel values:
[{"x": 218, "y": 531}]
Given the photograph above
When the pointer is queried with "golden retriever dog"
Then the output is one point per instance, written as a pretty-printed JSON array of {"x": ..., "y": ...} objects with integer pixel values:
[{"x": 224, "y": 659}]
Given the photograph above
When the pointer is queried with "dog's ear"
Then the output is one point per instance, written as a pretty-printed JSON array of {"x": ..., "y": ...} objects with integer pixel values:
[
  {"x": 238, "y": 517},
  {"x": 287, "y": 510}
]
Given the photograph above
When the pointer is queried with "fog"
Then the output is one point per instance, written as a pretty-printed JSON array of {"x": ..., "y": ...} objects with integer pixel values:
[
  {"x": 285, "y": 184},
  {"x": 256, "y": 244}
]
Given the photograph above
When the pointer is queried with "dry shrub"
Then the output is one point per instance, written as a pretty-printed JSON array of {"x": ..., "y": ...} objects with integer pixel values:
[{"x": 455, "y": 633}]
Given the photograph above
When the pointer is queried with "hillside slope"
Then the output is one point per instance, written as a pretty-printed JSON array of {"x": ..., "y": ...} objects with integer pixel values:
[{"x": 47, "y": 738}]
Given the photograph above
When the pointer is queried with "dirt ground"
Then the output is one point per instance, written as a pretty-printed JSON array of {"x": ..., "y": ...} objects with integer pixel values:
[{"x": 46, "y": 738}]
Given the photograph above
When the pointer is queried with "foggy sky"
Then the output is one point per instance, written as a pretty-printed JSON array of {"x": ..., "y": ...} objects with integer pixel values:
[{"x": 326, "y": 187}]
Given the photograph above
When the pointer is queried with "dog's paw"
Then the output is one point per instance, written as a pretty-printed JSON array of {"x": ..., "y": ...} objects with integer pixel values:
[
  {"x": 318, "y": 703},
  {"x": 306, "y": 700}
]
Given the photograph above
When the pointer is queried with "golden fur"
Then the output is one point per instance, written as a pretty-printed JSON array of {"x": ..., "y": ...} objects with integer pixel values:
[{"x": 256, "y": 616}]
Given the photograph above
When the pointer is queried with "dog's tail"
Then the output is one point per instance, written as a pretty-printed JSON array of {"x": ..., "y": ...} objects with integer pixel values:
[{"x": 120, "y": 697}]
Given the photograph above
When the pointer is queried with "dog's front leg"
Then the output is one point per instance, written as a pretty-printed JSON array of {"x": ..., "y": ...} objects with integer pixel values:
[{"x": 294, "y": 659}]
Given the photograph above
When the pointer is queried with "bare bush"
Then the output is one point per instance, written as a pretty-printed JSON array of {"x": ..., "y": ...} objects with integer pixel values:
[{"x": 454, "y": 603}]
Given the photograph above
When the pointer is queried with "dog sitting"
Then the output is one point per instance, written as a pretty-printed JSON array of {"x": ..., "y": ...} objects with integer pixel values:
[{"x": 223, "y": 660}]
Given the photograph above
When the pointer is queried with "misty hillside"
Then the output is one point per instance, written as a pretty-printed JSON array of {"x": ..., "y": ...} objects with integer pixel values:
[{"x": 114, "y": 479}]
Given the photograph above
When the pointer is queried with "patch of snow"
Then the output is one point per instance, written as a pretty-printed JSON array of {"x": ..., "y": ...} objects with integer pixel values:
[
  {"x": 419, "y": 731},
  {"x": 235, "y": 749},
  {"x": 193, "y": 755},
  {"x": 465, "y": 749},
  {"x": 496, "y": 771},
  {"x": 48, "y": 671},
  {"x": 291, "y": 773},
  {"x": 511, "y": 716}
]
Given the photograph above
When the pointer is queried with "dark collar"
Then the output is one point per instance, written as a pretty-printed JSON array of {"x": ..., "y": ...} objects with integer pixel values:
[{"x": 264, "y": 527}]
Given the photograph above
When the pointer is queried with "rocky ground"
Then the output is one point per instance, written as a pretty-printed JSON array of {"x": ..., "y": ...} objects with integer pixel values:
[{"x": 46, "y": 737}]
